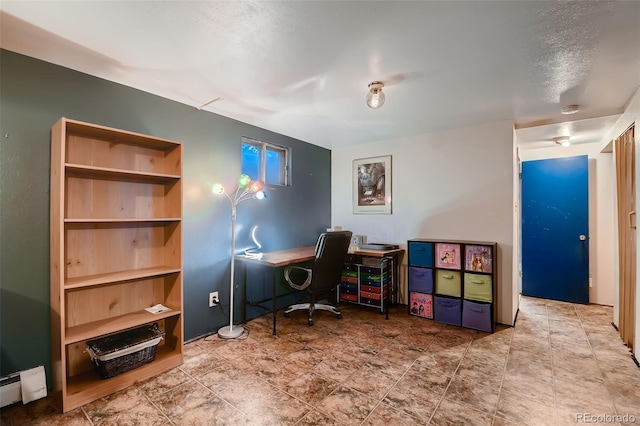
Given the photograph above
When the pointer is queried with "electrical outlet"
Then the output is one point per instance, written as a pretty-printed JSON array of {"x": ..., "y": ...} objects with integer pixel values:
[{"x": 213, "y": 299}]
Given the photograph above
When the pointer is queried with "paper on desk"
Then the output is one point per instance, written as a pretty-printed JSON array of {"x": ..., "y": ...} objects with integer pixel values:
[{"x": 157, "y": 309}]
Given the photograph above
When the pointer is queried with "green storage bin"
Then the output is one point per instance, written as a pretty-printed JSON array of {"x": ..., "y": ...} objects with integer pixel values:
[
  {"x": 448, "y": 283},
  {"x": 478, "y": 287}
]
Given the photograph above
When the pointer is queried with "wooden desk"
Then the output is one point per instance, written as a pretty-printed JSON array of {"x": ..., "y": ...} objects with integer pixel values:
[
  {"x": 274, "y": 260},
  {"x": 280, "y": 258}
]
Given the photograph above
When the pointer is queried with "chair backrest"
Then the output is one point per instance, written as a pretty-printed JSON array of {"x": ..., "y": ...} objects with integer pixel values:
[{"x": 331, "y": 252}]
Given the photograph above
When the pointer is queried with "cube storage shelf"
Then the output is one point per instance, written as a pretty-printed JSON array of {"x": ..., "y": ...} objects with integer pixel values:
[
  {"x": 116, "y": 249},
  {"x": 366, "y": 285},
  {"x": 453, "y": 282}
]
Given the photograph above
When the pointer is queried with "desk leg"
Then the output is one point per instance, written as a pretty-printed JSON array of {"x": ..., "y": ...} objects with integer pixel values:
[
  {"x": 244, "y": 295},
  {"x": 274, "y": 309},
  {"x": 390, "y": 290}
]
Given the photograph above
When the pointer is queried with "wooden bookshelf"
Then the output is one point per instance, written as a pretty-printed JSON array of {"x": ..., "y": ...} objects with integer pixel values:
[{"x": 116, "y": 249}]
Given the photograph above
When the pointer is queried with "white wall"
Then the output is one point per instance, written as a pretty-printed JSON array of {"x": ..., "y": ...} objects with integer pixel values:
[
  {"x": 455, "y": 184},
  {"x": 601, "y": 213},
  {"x": 631, "y": 115}
]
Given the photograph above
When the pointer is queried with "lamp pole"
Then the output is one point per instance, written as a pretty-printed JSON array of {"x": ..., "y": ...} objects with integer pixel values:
[
  {"x": 247, "y": 190},
  {"x": 231, "y": 332}
]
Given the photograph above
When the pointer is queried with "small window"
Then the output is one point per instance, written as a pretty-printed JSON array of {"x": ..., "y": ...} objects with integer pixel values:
[{"x": 265, "y": 162}]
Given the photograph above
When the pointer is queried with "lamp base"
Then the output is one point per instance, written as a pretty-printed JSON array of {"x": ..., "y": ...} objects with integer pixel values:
[{"x": 227, "y": 332}]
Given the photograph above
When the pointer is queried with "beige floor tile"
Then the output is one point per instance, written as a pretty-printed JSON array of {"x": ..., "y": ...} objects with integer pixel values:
[
  {"x": 213, "y": 412},
  {"x": 517, "y": 408},
  {"x": 347, "y": 405},
  {"x": 455, "y": 413},
  {"x": 476, "y": 395},
  {"x": 370, "y": 381},
  {"x": 384, "y": 415},
  {"x": 558, "y": 361},
  {"x": 183, "y": 398},
  {"x": 310, "y": 387}
]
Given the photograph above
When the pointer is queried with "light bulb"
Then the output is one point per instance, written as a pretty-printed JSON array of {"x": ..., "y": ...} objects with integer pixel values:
[
  {"x": 375, "y": 97},
  {"x": 217, "y": 189},
  {"x": 562, "y": 140},
  {"x": 255, "y": 186},
  {"x": 244, "y": 180}
]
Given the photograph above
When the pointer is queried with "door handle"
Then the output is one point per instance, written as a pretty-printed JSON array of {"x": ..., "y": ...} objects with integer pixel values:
[
  {"x": 582, "y": 237},
  {"x": 631, "y": 225}
]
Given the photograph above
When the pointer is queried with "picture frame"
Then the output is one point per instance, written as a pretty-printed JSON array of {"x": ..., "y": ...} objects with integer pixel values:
[
  {"x": 479, "y": 258},
  {"x": 448, "y": 256},
  {"x": 372, "y": 185},
  {"x": 421, "y": 304}
]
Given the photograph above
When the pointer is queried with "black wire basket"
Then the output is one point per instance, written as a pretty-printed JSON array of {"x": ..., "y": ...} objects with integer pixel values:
[{"x": 115, "y": 354}]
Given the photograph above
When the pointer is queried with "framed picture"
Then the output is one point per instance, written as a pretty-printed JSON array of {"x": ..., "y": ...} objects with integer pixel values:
[
  {"x": 478, "y": 258},
  {"x": 421, "y": 305},
  {"x": 448, "y": 256},
  {"x": 372, "y": 185}
]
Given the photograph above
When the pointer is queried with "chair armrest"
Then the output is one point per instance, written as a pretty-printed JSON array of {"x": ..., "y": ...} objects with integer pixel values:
[{"x": 307, "y": 281}]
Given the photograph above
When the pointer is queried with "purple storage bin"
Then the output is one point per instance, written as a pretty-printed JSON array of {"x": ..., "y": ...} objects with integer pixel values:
[
  {"x": 477, "y": 315},
  {"x": 421, "y": 280},
  {"x": 447, "y": 310}
]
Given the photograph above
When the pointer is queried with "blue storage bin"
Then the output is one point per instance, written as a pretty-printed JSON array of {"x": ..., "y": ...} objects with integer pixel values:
[
  {"x": 421, "y": 280},
  {"x": 477, "y": 315},
  {"x": 420, "y": 254},
  {"x": 447, "y": 310}
]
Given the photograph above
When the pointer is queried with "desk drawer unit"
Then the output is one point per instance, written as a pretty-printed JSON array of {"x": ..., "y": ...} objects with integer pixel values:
[
  {"x": 448, "y": 283},
  {"x": 421, "y": 254},
  {"x": 477, "y": 315},
  {"x": 421, "y": 279},
  {"x": 447, "y": 310},
  {"x": 478, "y": 287},
  {"x": 366, "y": 285}
]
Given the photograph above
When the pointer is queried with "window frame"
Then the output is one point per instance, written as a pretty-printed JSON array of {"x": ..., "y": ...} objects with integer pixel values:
[{"x": 262, "y": 166}]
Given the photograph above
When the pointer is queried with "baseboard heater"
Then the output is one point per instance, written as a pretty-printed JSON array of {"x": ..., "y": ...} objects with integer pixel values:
[
  {"x": 10, "y": 392},
  {"x": 25, "y": 386}
]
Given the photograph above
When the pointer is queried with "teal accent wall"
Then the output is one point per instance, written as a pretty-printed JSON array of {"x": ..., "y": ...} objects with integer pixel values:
[{"x": 34, "y": 95}]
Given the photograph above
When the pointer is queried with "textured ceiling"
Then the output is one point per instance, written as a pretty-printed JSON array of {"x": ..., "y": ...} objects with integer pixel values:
[{"x": 302, "y": 68}]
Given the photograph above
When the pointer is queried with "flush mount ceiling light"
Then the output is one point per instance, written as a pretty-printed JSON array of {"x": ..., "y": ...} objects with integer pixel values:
[
  {"x": 375, "y": 97},
  {"x": 562, "y": 140},
  {"x": 570, "y": 109}
]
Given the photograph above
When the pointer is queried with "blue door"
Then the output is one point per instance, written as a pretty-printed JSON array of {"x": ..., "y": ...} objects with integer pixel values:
[{"x": 555, "y": 229}]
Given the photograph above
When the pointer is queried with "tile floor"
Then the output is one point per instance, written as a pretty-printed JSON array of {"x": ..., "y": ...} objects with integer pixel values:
[{"x": 561, "y": 360}]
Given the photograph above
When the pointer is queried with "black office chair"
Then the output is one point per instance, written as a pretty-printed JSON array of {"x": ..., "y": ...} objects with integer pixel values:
[{"x": 323, "y": 277}]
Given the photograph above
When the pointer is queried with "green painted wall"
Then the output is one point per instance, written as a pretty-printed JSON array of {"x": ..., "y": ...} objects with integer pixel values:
[{"x": 34, "y": 95}]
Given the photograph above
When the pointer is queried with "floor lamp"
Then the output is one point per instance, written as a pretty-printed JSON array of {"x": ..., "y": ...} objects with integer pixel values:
[{"x": 247, "y": 190}]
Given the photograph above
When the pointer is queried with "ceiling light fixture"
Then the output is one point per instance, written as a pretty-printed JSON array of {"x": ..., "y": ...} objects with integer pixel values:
[
  {"x": 375, "y": 97},
  {"x": 570, "y": 109},
  {"x": 562, "y": 140}
]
